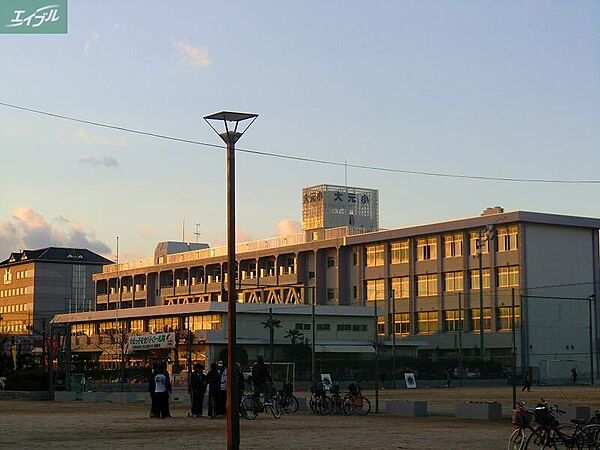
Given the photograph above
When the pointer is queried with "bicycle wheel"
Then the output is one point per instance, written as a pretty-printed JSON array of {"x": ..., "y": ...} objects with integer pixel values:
[
  {"x": 249, "y": 408},
  {"x": 322, "y": 406},
  {"x": 347, "y": 405},
  {"x": 517, "y": 439},
  {"x": 275, "y": 408},
  {"x": 362, "y": 406},
  {"x": 538, "y": 440},
  {"x": 311, "y": 404},
  {"x": 291, "y": 404},
  {"x": 568, "y": 437},
  {"x": 592, "y": 436}
]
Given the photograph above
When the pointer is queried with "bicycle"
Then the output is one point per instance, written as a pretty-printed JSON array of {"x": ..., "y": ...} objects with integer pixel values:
[
  {"x": 336, "y": 399},
  {"x": 287, "y": 400},
  {"x": 522, "y": 419},
  {"x": 252, "y": 405},
  {"x": 319, "y": 402},
  {"x": 548, "y": 434},
  {"x": 355, "y": 402}
]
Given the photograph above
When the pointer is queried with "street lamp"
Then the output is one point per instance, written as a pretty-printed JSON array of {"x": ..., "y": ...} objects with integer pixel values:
[{"x": 230, "y": 134}]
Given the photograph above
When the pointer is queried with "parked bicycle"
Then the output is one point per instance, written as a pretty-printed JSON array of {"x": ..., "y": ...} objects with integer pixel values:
[
  {"x": 319, "y": 402},
  {"x": 287, "y": 400},
  {"x": 252, "y": 405},
  {"x": 355, "y": 402}
]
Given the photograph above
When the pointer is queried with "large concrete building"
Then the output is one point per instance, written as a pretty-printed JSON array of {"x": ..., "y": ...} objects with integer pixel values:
[
  {"x": 427, "y": 275},
  {"x": 37, "y": 284}
]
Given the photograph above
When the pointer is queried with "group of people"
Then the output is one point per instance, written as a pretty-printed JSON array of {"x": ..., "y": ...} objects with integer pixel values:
[{"x": 215, "y": 382}]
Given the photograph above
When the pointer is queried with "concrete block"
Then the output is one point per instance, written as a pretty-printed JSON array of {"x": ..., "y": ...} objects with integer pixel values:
[
  {"x": 65, "y": 396},
  {"x": 93, "y": 397},
  {"x": 122, "y": 397},
  {"x": 478, "y": 410},
  {"x": 574, "y": 412},
  {"x": 303, "y": 404},
  {"x": 406, "y": 408}
]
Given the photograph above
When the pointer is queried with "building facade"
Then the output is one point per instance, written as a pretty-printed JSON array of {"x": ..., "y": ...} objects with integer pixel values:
[{"x": 37, "y": 284}]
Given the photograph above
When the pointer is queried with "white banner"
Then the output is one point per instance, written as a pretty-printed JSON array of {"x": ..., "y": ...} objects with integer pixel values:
[{"x": 151, "y": 341}]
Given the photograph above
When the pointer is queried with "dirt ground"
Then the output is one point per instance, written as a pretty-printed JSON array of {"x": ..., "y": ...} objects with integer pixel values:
[{"x": 44, "y": 425}]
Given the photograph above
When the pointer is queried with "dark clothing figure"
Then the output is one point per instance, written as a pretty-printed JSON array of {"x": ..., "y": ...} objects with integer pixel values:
[
  {"x": 526, "y": 382},
  {"x": 162, "y": 389},
  {"x": 574, "y": 375},
  {"x": 199, "y": 381},
  {"x": 261, "y": 378},
  {"x": 214, "y": 388}
]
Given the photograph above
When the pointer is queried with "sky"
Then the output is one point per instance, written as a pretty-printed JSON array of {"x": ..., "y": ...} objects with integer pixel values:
[{"x": 494, "y": 88}]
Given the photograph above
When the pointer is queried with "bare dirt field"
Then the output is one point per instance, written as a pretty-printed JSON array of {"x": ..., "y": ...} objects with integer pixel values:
[{"x": 43, "y": 425}]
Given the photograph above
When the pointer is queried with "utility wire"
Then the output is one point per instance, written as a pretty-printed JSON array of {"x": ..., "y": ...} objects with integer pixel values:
[{"x": 300, "y": 158}]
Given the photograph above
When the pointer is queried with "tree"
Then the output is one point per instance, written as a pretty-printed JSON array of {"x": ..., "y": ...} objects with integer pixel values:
[
  {"x": 271, "y": 324},
  {"x": 294, "y": 335}
]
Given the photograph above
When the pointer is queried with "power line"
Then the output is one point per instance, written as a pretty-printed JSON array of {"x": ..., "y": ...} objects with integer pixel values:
[{"x": 300, "y": 158}]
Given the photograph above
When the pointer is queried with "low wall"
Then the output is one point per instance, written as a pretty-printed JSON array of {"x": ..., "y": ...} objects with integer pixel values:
[{"x": 24, "y": 395}]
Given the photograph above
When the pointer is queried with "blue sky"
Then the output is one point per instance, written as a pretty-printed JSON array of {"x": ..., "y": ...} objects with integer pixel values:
[{"x": 498, "y": 88}]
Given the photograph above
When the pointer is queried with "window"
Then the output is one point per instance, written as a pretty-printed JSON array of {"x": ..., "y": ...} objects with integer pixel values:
[
  {"x": 453, "y": 245},
  {"x": 204, "y": 322},
  {"x": 330, "y": 294},
  {"x": 375, "y": 255},
  {"x": 399, "y": 252},
  {"x": 508, "y": 238},
  {"x": 359, "y": 328},
  {"x": 344, "y": 327},
  {"x": 381, "y": 326},
  {"x": 323, "y": 327},
  {"x": 311, "y": 274},
  {"x": 475, "y": 279},
  {"x": 136, "y": 326},
  {"x": 427, "y": 322},
  {"x": 375, "y": 289},
  {"x": 487, "y": 319},
  {"x": 354, "y": 258},
  {"x": 330, "y": 261},
  {"x": 426, "y": 249},
  {"x": 427, "y": 285},
  {"x": 163, "y": 324},
  {"x": 505, "y": 318},
  {"x": 400, "y": 287},
  {"x": 355, "y": 292},
  {"x": 109, "y": 327},
  {"x": 473, "y": 242},
  {"x": 402, "y": 323},
  {"x": 452, "y": 321},
  {"x": 508, "y": 276},
  {"x": 303, "y": 326},
  {"x": 453, "y": 281},
  {"x": 7, "y": 276}
]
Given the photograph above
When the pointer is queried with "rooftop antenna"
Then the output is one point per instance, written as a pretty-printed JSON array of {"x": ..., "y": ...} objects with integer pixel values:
[{"x": 197, "y": 233}]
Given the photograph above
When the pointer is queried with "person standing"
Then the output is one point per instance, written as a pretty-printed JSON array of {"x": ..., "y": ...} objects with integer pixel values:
[
  {"x": 162, "y": 388},
  {"x": 198, "y": 383},
  {"x": 154, "y": 410},
  {"x": 526, "y": 381},
  {"x": 222, "y": 409},
  {"x": 214, "y": 389}
]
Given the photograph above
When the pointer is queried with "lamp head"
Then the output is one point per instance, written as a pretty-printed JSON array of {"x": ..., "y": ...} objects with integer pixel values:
[{"x": 230, "y": 125}]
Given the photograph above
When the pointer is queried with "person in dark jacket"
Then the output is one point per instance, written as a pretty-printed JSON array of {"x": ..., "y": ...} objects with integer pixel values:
[
  {"x": 199, "y": 381},
  {"x": 214, "y": 387},
  {"x": 261, "y": 378}
]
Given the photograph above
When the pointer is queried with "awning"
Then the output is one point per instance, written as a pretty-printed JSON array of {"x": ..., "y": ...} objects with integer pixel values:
[{"x": 344, "y": 349}]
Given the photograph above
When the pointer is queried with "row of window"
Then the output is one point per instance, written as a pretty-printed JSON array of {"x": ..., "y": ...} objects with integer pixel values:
[
  {"x": 14, "y": 328},
  {"x": 427, "y": 285},
  {"x": 8, "y": 275},
  {"x": 155, "y": 325},
  {"x": 427, "y": 247},
  {"x": 21, "y": 307},
  {"x": 327, "y": 327},
  {"x": 427, "y": 322},
  {"x": 16, "y": 291}
]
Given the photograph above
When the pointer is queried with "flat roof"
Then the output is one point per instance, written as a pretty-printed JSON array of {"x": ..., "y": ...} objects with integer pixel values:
[{"x": 211, "y": 307}]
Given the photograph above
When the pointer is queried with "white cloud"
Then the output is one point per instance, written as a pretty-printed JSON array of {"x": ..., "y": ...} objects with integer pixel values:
[
  {"x": 287, "y": 227},
  {"x": 89, "y": 41},
  {"x": 106, "y": 161},
  {"x": 94, "y": 139},
  {"x": 193, "y": 56},
  {"x": 27, "y": 229}
]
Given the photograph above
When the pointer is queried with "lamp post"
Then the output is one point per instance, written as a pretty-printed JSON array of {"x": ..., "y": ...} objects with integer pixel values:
[
  {"x": 231, "y": 133},
  {"x": 591, "y": 299},
  {"x": 488, "y": 234},
  {"x": 393, "y": 338}
]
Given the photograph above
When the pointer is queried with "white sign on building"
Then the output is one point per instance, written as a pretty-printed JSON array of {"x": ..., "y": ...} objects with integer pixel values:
[
  {"x": 151, "y": 341},
  {"x": 330, "y": 206}
]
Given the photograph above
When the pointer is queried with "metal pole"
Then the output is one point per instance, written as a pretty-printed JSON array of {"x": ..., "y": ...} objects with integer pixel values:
[
  {"x": 394, "y": 338},
  {"x": 313, "y": 357},
  {"x": 480, "y": 254},
  {"x": 67, "y": 331},
  {"x": 590, "y": 300},
  {"x": 514, "y": 350},
  {"x": 375, "y": 369},
  {"x": 51, "y": 364},
  {"x": 460, "y": 349},
  {"x": 233, "y": 417},
  {"x": 271, "y": 338},
  {"x": 190, "y": 341}
]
